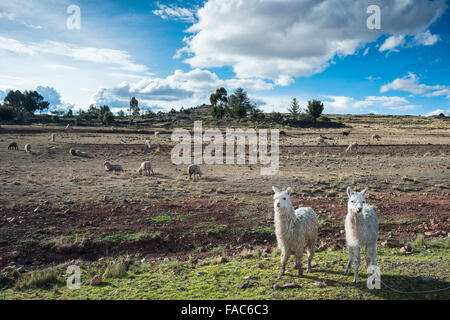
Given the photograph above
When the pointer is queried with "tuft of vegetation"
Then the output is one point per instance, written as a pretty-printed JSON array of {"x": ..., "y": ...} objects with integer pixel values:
[
  {"x": 116, "y": 270},
  {"x": 38, "y": 279}
]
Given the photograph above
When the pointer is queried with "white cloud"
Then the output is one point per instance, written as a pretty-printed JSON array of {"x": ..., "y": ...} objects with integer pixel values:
[
  {"x": 16, "y": 46},
  {"x": 180, "y": 88},
  {"x": 426, "y": 38},
  {"x": 344, "y": 104},
  {"x": 280, "y": 40},
  {"x": 12, "y": 18},
  {"x": 174, "y": 12},
  {"x": 410, "y": 83},
  {"x": 438, "y": 111},
  {"x": 391, "y": 43},
  {"x": 60, "y": 67}
]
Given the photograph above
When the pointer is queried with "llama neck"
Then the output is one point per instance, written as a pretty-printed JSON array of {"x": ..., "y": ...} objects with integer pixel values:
[{"x": 284, "y": 217}]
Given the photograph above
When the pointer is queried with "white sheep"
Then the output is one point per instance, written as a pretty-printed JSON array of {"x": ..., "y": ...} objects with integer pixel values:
[
  {"x": 148, "y": 144},
  {"x": 68, "y": 126},
  {"x": 352, "y": 147},
  {"x": 53, "y": 137},
  {"x": 296, "y": 230},
  {"x": 146, "y": 167},
  {"x": 361, "y": 230},
  {"x": 112, "y": 167},
  {"x": 156, "y": 134},
  {"x": 28, "y": 147},
  {"x": 194, "y": 170},
  {"x": 321, "y": 140},
  {"x": 376, "y": 136}
]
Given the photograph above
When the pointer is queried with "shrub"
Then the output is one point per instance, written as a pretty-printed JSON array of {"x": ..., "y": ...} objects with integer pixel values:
[{"x": 314, "y": 109}]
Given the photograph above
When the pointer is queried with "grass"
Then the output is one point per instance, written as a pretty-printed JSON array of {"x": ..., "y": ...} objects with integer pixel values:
[
  {"x": 38, "y": 279},
  {"x": 129, "y": 236},
  {"x": 188, "y": 280}
]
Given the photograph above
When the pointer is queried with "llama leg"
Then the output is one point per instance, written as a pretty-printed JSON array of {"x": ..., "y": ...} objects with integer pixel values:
[
  {"x": 310, "y": 251},
  {"x": 371, "y": 255},
  {"x": 298, "y": 262},
  {"x": 357, "y": 262},
  {"x": 350, "y": 260},
  {"x": 284, "y": 258}
]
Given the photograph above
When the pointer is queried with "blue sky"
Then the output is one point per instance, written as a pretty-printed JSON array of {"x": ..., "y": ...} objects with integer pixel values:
[{"x": 175, "y": 53}]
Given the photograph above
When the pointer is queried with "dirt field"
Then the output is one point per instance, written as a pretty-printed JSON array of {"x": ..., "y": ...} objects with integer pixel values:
[{"x": 86, "y": 213}]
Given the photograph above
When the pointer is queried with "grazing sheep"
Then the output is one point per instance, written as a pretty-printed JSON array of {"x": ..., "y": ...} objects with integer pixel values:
[
  {"x": 146, "y": 167},
  {"x": 352, "y": 147},
  {"x": 148, "y": 144},
  {"x": 27, "y": 148},
  {"x": 321, "y": 141},
  {"x": 13, "y": 145},
  {"x": 53, "y": 137},
  {"x": 194, "y": 170},
  {"x": 376, "y": 136},
  {"x": 361, "y": 230},
  {"x": 112, "y": 167},
  {"x": 295, "y": 230},
  {"x": 78, "y": 153},
  {"x": 346, "y": 133}
]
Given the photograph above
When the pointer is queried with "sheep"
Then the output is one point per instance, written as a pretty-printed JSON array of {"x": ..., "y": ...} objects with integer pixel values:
[
  {"x": 112, "y": 167},
  {"x": 295, "y": 230},
  {"x": 13, "y": 145},
  {"x": 114, "y": 129},
  {"x": 321, "y": 140},
  {"x": 27, "y": 148},
  {"x": 345, "y": 133},
  {"x": 53, "y": 137},
  {"x": 361, "y": 230},
  {"x": 352, "y": 147},
  {"x": 194, "y": 170},
  {"x": 148, "y": 144},
  {"x": 156, "y": 134},
  {"x": 146, "y": 167},
  {"x": 68, "y": 126},
  {"x": 376, "y": 136},
  {"x": 78, "y": 153}
]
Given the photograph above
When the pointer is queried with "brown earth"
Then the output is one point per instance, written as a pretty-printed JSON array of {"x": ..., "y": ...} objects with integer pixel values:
[{"x": 24, "y": 239}]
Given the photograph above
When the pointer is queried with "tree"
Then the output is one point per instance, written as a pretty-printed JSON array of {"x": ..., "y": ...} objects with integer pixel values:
[
  {"x": 294, "y": 109},
  {"x": 121, "y": 114},
  {"x": 107, "y": 118},
  {"x": 29, "y": 101},
  {"x": 69, "y": 113},
  {"x": 219, "y": 98},
  {"x": 314, "y": 109},
  {"x": 239, "y": 104},
  {"x": 134, "y": 107}
]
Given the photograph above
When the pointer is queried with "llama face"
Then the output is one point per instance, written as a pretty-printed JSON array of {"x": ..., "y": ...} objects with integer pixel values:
[
  {"x": 356, "y": 200},
  {"x": 281, "y": 198}
]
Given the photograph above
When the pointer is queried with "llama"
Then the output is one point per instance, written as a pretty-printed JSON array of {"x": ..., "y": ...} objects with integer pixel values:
[
  {"x": 148, "y": 144},
  {"x": 53, "y": 137},
  {"x": 295, "y": 230},
  {"x": 145, "y": 167},
  {"x": 195, "y": 171},
  {"x": 376, "y": 136},
  {"x": 352, "y": 147},
  {"x": 27, "y": 148},
  {"x": 13, "y": 145},
  {"x": 112, "y": 167},
  {"x": 361, "y": 230}
]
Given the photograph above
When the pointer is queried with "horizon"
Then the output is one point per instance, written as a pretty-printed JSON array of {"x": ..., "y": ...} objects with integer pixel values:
[{"x": 173, "y": 54}]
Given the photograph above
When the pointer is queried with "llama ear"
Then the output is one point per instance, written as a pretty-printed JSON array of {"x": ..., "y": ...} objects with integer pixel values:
[
  {"x": 276, "y": 190},
  {"x": 363, "y": 193},
  {"x": 349, "y": 191},
  {"x": 289, "y": 190}
]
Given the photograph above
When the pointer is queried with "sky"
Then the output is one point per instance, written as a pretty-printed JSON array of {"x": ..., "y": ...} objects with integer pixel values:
[{"x": 173, "y": 54}]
